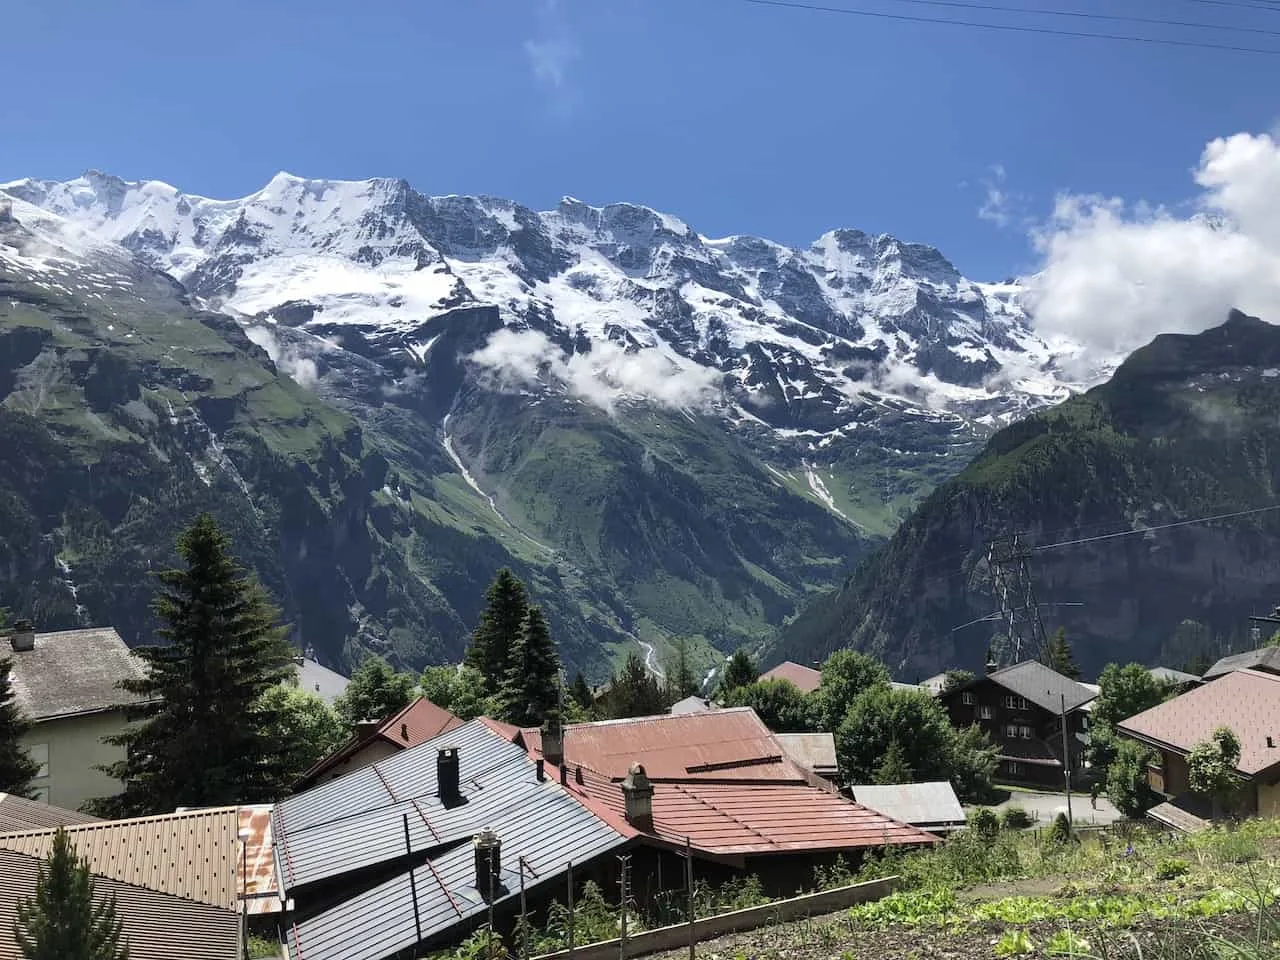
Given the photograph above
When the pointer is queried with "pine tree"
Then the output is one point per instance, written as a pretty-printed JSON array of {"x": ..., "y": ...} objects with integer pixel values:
[
  {"x": 894, "y": 768},
  {"x": 17, "y": 769},
  {"x": 634, "y": 693},
  {"x": 499, "y": 629},
  {"x": 61, "y": 922},
  {"x": 1058, "y": 655},
  {"x": 681, "y": 680},
  {"x": 532, "y": 690},
  {"x": 740, "y": 671},
  {"x": 581, "y": 692},
  {"x": 202, "y": 736}
]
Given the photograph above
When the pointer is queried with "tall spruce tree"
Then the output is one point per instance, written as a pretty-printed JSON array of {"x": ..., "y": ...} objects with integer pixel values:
[
  {"x": 61, "y": 922},
  {"x": 532, "y": 690},
  {"x": 894, "y": 768},
  {"x": 499, "y": 630},
  {"x": 1058, "y": 656},
  {"x": 682, "y": 681},
  {"x": 581, "y": 693},
  {"x": 740, "y": 671},
  {"x": 634, "y": 693},
  {"x": 17, "y": 769},
  {"x": 202, "y": 735}
]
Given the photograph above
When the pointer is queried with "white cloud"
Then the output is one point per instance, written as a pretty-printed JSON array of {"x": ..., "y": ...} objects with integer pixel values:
[
  {"x": 551, "y": 54},
  {"x": 1115, "y": 274},
  {"x": 603, "y": 376},
  {"x": 288, "y": 360},
  {"x": 995, "y": 207}
]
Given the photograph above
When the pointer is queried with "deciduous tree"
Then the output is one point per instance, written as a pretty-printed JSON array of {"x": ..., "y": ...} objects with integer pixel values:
[
  {"x": 894, "y": 768},
  {"x": 303, "y": 725},
  {"x": 1211, "y": 767},
  {"x": 739, "y": 671},
  {"x": 780, "y": 704},
  {"x": 460, "y": 690},
  {"x": 845, "y": 676},
  {"x": 375, "y": 692}
]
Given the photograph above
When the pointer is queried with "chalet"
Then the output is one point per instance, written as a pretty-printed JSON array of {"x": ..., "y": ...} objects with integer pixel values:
[
  {"x": 805, "y": 678},
  {"x": 1245, "y": 701},
  {"x": 1021, "y": 708},
  {"x": 68, "y": 685}
]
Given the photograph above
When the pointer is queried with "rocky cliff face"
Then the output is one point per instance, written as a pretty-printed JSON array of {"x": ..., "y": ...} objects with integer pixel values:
[
  {"x": 1185, "y": 429},
  {"x": 667, "y": 434}
]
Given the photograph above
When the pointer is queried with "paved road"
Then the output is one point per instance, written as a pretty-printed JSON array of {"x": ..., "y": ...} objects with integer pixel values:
[{"x": 1045, "y": 806}]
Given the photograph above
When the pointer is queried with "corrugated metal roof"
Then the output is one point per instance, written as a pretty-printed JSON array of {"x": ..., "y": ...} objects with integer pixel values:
[
  {"x": 259, "y": 886},
  {"x": 730, "y": 819},
  {"x": 192, "y": 855},
  {"x": 731, "y": 744},
  {"x": 691, "y": 705},
  {"x": 315, "y": 677},
  {"x": 363, "y": 826},
  {"x": 74, "y": 671},
  {"x": 19, "y": 813},
  {"x": 1046, "y": 688},
  {"x": 156, "y": 926},
  {"x": 415, "y": 724},
  {"x": 806, "y": 678},
  {"x": 921, "y": 804},
  {"x": 813, "y": 751},
  {"x": 1247, "y": 701}
]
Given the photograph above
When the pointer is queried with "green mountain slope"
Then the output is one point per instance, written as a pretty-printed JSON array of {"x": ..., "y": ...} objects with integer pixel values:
[{"x": 1188, "y": 427}]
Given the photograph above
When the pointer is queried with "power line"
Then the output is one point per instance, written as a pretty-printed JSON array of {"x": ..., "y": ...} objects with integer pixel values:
[
  {"x": 1162, "y": 526},
  {"x": 1082, "y": 15},
  {"x": 1009, "y": 27},
  {"x": 1241, "y": 5}
]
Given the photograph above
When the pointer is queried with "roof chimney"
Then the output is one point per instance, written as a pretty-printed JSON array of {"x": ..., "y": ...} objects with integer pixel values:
[
  {"x": 404, "y": 732},
  {"x": 367, "y": 728},
  {"x": 564, "y": 775},
  {"x": 1271, "y": 743},
  {"x": 488, "y": 863},
  {"x": 23, "y": 637},
  {"x": 991, "y": 664},
  {"x": 637, "y": 796},
  {"x": 447, "y": 776},
  {"x": 553, "y": 739}
]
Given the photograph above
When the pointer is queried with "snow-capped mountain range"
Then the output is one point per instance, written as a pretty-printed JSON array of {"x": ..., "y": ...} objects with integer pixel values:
[{"x": 806, "y": 341}]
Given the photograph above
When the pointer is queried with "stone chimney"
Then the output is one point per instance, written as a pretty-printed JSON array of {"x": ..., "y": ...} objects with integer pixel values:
[
  {"x": 367, "y": 728},
  {"x": 488, "y": 863},
  {"x": 553, "y": 740},
  {"x": 447, "y": 776},
  {"x": 23, "y": 637},
  {"x": 637, "y": 796}
]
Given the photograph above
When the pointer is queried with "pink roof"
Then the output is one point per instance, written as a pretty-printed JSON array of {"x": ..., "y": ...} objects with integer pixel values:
[
  {"x": 730, "y": 744},
  {"x": 417, "y": 723},
  {"x": 806, "y": 678},
  {"x": 732, "y": 819},
  {"x": 1247, "y": 701}
]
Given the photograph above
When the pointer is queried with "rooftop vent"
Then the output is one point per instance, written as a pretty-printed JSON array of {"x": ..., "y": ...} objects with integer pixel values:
[{"x": 367, "y": 728}]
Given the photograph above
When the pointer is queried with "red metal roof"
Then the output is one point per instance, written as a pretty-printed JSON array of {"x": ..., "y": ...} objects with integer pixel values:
[
  {"x": 728, "y": 744},
  {"x": 417, "y": 723},
  {"x": 1247, "y": 701},
  {"x": 806, "y": 678},
  {"x": 730, "y": 819},
  {"x": 259, "y": 886}
]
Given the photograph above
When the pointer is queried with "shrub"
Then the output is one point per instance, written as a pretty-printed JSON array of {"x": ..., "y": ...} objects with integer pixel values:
[
  {"x": 1014, "y": 943},
  {"x": 1060, "y": 832},
  {"x": 1171, "y": 867},
  {"x": 1015, "y": 818},
  {"x": 984, "y": 823},
  {"x": 1066, "y": 943}
]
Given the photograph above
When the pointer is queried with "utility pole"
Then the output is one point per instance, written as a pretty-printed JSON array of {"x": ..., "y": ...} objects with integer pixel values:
[
  {"x": 572, "y": 931},
  {"x": 688, "y": 885},
  {"x": 625, "y": 861},
  {"x": 1066, "y": 760}
]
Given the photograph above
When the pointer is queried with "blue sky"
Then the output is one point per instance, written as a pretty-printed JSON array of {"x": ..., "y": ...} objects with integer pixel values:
[{"x": 738, "y": 118}]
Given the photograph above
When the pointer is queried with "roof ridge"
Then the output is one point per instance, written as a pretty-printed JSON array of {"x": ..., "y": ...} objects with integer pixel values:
[
  {"x": 126, "y": 821},
  {"x": 617, "y": 721}
]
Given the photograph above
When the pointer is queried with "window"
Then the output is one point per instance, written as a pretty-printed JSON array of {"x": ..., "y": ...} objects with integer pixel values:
[
  {"x": 1014, "y": 767},
  {"x": 968, "y": 699},
  {"x": 1011, "y": 730},
  {"x": 1024, "y": 732},
  {"x": 1015, "y": 702},
  {"x": 1084, "y": 721},
  {"x": 987, "y": 713},
  {"x": 40, "y": 754}
]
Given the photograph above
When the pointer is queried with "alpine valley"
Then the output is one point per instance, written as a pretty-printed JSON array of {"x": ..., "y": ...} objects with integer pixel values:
[{"x": 384, "y": 396}]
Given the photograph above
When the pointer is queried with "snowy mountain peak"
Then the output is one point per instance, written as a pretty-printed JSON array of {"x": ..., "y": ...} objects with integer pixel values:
[{"x": 799, "y": 338}]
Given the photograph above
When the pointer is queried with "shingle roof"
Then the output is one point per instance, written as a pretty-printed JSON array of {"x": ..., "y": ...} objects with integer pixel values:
[
  {"x": 806, "y": 678},
  {"x": 1175, "y": 677},
  {"x": 18, "y": 813},
  {"x": 922, "y": 804},
  {"x": 1045, "y": 688},
  {"x": 73, "y": 671},
  {"x": 192, "y": 855},
  {"x": 730, "y": 744},
  {"x": 415, "y": 724},
  {"x": 356, "y": 822},
  {"x": 316, "y": 678},
  {"x": 1247, "y": 701},
  {"x": 691, "y": 705},
  {"x": 740, "y": 819},
  {"x": 1266, "y": 659},
  {"x": 156, "y": 926}
]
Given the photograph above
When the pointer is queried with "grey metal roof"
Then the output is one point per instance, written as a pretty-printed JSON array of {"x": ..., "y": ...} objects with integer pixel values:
[
  {"x": 693, "y": 704},
  {"x": 813, "y": 751},
  {"x": 1045, "y": 688},
  {"x": 919, "y": 804},
  {"x": 1169, "y": 675},
  {"x": 320, "y": 680},
  {"x": 73, "y": 671},
  {"x": 363, "y": 826},
  {"x": 1266, "y": 659},
  {"x": 20, "y": 814}
]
